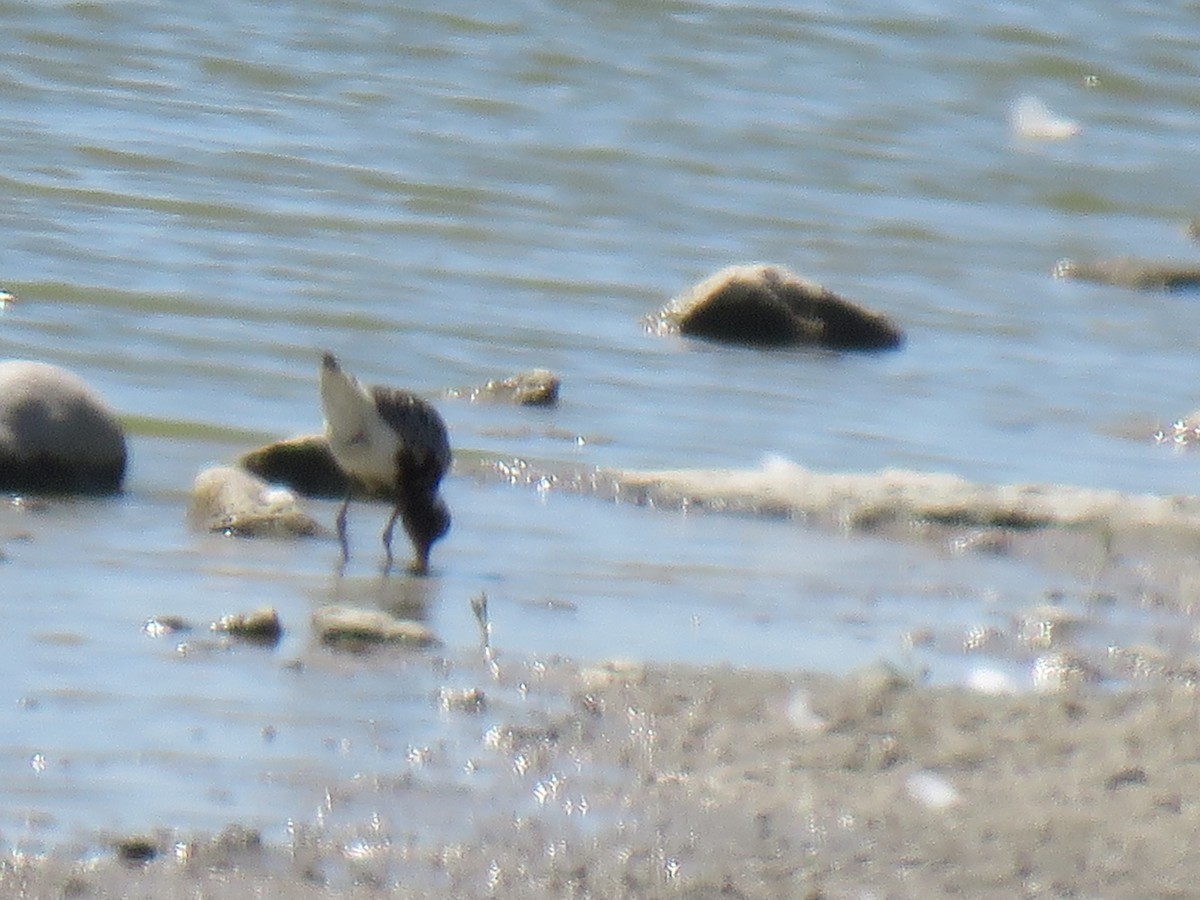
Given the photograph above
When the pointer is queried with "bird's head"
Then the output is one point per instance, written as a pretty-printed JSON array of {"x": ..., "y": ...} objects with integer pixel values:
[{"x": 426, "y": 526}]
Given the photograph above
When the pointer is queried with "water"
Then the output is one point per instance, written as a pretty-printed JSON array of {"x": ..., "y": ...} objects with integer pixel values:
[{"x": 199, "y": 198}]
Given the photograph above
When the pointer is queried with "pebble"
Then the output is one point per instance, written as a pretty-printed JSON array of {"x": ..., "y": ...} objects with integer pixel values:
[
  {"x": 353, "y": 627},
  {"x": 261, "y": 626}
]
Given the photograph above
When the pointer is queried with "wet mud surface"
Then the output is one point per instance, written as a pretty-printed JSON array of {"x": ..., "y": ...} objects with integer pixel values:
[
  {"x": 642, "y": 779},
  {"x": 653, "y": 781}
]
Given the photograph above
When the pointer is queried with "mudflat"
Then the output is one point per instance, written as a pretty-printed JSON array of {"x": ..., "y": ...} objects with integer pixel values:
[
  {"x": 677, "y": 781},
  {"x": 638, "y": 779}
]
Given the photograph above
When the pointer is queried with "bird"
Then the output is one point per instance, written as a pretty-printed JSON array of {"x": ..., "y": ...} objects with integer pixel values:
[{"x": 391, "y": 442}]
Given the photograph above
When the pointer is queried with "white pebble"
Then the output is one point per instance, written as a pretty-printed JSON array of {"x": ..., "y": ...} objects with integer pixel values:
[
  {"x": 931, "y": 790},
  {"x": 991, "y": 681},
  {"x": 800, "y": 713}
]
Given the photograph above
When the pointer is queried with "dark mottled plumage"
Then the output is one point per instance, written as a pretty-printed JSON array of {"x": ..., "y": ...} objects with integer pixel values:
[{"x": 394, "y": 442}]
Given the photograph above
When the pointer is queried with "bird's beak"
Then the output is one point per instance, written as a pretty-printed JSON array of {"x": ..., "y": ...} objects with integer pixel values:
[{"x": 420, "y": 564}]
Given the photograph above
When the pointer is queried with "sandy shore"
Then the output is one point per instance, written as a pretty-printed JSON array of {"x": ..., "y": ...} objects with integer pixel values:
[
  {"x": 643, "y": 780},
  {"x": 711, "y": 782}
]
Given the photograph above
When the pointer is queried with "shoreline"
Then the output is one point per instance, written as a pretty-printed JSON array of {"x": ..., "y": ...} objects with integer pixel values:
[
  {"x": 709, "y": 781},
  {"x": 662, "y": 780}
]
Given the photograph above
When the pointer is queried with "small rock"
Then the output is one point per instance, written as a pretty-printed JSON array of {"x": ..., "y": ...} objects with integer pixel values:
[
  {"x": 238, "y": 839},
  {"x": 261, "y": 626},
  {"x": 1046, "y": 626},
  {"x": 918, "y": 637},
  {"x": 161, "y": 626},
  {"x": 1061, "y": 669},
  {"x": 304, "y": 464},
  {"x": 981, "y": 637},
  {"x": 1139, "y": 274},
  {"x": 991, "y": 682},
  {"x": 1141, "y": 661},
  {"x": 468, "y": 700},
  {"x": 769, "y": 306},
  {"x": 1126, "y": 777},
  {"x": 801, "y": 714},
  {"x": 136, "y": 849},
  {"x": 623, "y": 671},
  {"x": 354, "y": 627},
  {"x": 56, "y": 434},
  {"x": 537, "y": 387},
  {"x": 995, "y": 541},
  {"x": 879, "y": 682},
  {"x": 234, "y": 502},
  {"x": 931, "y": 790}
]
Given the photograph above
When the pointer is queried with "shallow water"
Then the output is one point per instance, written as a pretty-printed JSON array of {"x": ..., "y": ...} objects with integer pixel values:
[{"x": 199, "y": 199}]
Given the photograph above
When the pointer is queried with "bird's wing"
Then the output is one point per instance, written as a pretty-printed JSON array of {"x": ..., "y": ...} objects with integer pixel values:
[{"x": 418, "y": 426}]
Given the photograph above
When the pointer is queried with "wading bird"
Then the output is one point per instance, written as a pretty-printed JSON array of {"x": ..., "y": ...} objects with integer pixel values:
[{"x": 391, "y": 442}]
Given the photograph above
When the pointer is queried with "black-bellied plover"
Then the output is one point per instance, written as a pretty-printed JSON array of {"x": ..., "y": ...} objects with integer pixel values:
[{"x": 394, "y": 443}]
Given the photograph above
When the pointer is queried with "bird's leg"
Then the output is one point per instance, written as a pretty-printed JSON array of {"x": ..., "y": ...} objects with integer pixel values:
[
  {"x": 387, "y": 539},
  {"x": 341, "y": 530}
]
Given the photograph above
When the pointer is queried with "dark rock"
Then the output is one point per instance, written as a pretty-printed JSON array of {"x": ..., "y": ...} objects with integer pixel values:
[
  {"x": 769, "y": 306},
  {"x": 1126, "y": 777},
  {"x": 56, "y": 434},
  {"x": 136, "y": 850},
  {"x": 1140, "y": 274},
  {"x": 234, "y": 502},
  {"x": 304, "y": 464}
]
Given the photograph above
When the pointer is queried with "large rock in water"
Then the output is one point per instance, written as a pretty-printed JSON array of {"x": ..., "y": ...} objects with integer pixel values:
[
  {"x": 769, "y": 306},
  {"x": 56, "y": 434}
]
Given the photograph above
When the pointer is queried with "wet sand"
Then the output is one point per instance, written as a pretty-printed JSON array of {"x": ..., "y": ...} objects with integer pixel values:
[
  {"x": 711, "y": 782},
  {"x": 646, "y": 780}
]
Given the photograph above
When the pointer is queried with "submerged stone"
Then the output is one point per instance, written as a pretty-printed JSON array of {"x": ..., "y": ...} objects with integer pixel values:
[
  {"x": 464, "y": 700},
  {"x": 769, "y": 306},
  {"x": 1061, "y": 670},
  {"x": 1139, "y": 274},
  {"x": 162, "y": 626},
  {"x": 854, "y": 499},
  {"x": 228, "y": 500},
  {"x": 349, "y": 626},
  {"x": 537, "y": 387},
  {"x": 1046, "y": 627},
  {"x": 262, "y": 626},
  {"x": 56, "y": 434}
]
